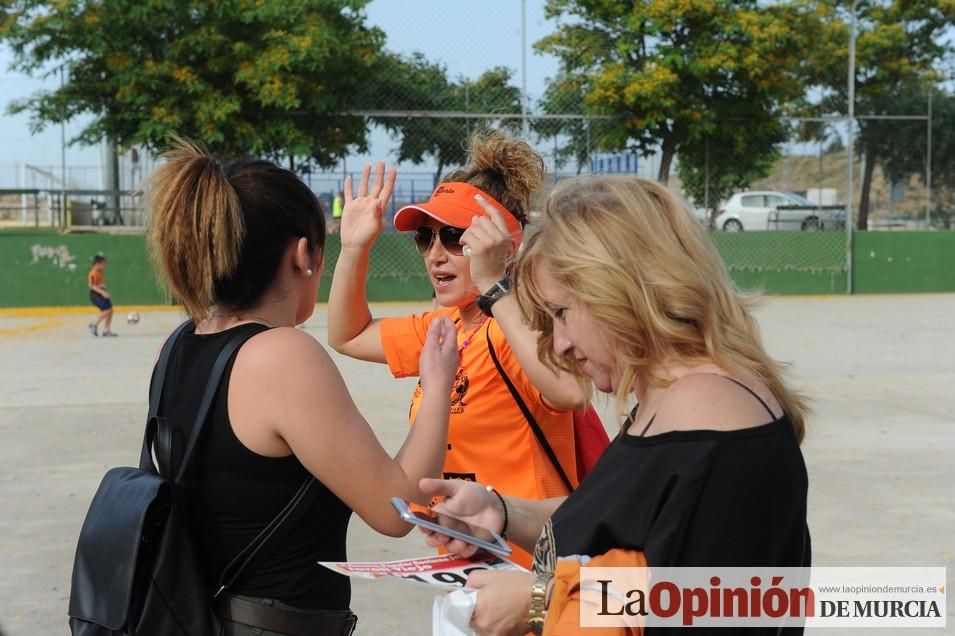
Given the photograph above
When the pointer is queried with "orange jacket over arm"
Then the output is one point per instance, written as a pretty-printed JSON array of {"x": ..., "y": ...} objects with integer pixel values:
[{"x": 563, "y": 614}]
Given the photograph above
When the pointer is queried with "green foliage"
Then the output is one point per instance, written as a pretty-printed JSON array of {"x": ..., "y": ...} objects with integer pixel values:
[
  {"x": 901, "y": 46},
  {"x": 897, "y": 42},
  {"x": 943, "y": 141},
  {"x": 672, "y": 72},
  {"x": 578, "y": 138},
  {"x": 712, "y": 168},
  {"x": 264, "y": 77},
  {"x": 415, "y": 84}
]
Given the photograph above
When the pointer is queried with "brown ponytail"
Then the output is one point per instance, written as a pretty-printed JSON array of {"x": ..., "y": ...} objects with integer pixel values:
[
  {"x": 505, "y": 167},
  {"x": 196, "y": 228}
]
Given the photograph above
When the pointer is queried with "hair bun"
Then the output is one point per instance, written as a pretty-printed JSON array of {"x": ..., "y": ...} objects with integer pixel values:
[{"x": 512, "y": 160}]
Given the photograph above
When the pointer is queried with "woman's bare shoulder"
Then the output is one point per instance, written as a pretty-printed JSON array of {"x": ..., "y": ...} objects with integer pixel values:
[
  {"x": 284, "y": 351},
  {"x": 715, "y": 400}
]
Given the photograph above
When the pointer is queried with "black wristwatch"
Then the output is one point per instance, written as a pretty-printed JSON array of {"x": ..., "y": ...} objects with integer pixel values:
[{"x": 499, "y": 290}]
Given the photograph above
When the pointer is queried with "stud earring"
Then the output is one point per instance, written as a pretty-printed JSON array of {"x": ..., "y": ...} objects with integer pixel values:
[{"x": 308, "y": 273}]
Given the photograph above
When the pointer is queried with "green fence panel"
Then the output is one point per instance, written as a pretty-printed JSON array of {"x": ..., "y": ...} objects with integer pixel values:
[
  {"x": 42, "y": 268},
  {"x": 45, "y": 269},
  {"x": 395, "y": 269},
  {"x": 900, "y": 262},
  {"x": 780, "y": 262}
]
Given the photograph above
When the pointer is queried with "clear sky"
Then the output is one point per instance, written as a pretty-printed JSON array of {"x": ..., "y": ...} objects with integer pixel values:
[{"x": 467, "y": 36}]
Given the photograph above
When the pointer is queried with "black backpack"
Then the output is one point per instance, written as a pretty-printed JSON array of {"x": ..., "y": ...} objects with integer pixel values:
[{"x": 136, "y": 570}]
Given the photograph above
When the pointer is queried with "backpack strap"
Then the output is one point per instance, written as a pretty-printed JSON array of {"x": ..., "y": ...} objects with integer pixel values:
[
  {"x": 538, "y": 433},
  {"x": 159, "y": 375},
  {"x": 164, "y": 446},
  {"x": 262, "y": 546},
  {"x": 208, "y": 397}
]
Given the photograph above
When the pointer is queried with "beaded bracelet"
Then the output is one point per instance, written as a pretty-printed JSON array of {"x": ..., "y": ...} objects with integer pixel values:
[{"x": 494, "y": 491}]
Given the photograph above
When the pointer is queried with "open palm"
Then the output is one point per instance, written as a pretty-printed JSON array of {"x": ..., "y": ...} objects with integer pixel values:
[{"x": 362, "y": 214}]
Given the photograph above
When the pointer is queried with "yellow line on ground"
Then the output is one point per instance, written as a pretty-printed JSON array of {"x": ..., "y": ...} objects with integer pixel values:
[
  {"x": 7, "y": 332},
  {"x": 40, "y": 312}
]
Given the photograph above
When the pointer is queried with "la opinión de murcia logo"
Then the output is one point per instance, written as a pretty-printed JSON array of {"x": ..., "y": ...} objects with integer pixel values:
[{"x": 762, "y": 597}]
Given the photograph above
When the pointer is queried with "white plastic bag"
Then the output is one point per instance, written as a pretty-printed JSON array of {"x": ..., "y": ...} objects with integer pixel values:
[{"x": 451, "y": 613}]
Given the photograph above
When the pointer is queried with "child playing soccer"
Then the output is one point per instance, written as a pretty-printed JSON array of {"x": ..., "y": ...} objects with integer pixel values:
[{"x": 100, "y": 297}]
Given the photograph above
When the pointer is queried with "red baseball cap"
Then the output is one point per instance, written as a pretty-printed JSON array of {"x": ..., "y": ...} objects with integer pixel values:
[{"x": 453, "y": 204}]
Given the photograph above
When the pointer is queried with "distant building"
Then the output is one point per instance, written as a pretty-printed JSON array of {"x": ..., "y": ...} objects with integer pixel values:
[
  {"x": 822, "y": 196},
  {"x": 615, "y": 163}
]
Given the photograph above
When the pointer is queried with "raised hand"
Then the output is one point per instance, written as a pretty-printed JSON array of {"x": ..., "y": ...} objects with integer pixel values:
[
  {"x": 439, "y": 360},
  {"x": 362, "y": 214},
  {"x": 490, "y": 245}
]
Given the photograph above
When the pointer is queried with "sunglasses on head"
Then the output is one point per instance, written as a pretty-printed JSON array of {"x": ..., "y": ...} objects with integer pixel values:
[{"x": 450, "y": 239}]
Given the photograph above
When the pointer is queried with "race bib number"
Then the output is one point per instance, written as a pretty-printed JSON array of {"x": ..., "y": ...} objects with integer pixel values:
[{"x": 444, "y": 571}]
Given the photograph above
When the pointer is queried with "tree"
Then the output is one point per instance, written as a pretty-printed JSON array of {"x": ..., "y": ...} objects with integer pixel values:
[
  {"x": 943, "y": 158},
  {"x": 899, "y": 47},
  {"x": 730, "y": 159},
  {"x": 580, "y": 137},
  {"x": 943, "y": 139},
  {"x": 672, "y": 73},
  {"x": 415, "y": 84},
  {"x": 564, "y": 97},
  {"x": 265, "y": 78}
]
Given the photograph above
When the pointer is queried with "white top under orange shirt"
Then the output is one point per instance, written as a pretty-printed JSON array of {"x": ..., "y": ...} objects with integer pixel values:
[{"x": 489, "y": 440}]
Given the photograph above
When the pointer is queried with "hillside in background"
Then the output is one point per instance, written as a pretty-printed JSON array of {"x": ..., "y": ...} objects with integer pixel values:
[{"x": 798, "y": 173}]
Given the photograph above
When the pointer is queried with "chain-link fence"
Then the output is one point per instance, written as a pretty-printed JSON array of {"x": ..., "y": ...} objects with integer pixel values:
[
  {"x": 803, "y": 193},
  {"x": 73, "y": 209},
  {"x": 782, "y": 210}
]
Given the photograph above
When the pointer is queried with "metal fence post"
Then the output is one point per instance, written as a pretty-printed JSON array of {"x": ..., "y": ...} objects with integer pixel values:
[
  {"x": 851, "y": 109},
  {"x": 928, "y": 163}
]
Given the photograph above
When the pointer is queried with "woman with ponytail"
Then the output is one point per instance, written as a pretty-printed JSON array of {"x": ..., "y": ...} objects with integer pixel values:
[
  {"x": 241, "y": 245},
  {"x": 468, "y": 234}
]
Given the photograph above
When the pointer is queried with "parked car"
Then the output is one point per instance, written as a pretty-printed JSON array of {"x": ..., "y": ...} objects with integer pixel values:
[{"x": 771, "y": 210}]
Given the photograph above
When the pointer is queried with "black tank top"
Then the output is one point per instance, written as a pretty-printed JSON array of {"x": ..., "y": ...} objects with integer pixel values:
[
  {"x": 234, "y": 493},
  {"x": 684, "y": 498}
]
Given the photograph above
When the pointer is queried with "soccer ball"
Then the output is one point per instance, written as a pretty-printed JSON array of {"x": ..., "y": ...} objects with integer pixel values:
[{"x": 132, "y": 317}]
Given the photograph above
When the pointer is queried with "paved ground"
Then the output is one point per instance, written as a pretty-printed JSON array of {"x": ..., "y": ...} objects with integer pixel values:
[{"x": 880, "y": 371}]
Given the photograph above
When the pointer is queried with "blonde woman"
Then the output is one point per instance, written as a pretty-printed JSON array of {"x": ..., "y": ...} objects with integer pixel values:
[
  {"x": 468, "y": 234},
  {"x": 241, "y": 244},
  {"x": 629, "y": 294}
]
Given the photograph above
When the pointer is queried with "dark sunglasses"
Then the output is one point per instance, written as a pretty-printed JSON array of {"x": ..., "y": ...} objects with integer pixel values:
[{"x": 450, "y": 239}]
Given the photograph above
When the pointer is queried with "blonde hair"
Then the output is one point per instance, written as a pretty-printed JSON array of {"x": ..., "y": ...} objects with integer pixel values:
[
  {"x": 217, "y": 232},
  {"x": 659, "y": 292},
  {"x": 503, "y": 166}
]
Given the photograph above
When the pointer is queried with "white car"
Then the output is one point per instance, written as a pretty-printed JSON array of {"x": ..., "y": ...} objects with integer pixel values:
[{"x": 771, "y": 210}]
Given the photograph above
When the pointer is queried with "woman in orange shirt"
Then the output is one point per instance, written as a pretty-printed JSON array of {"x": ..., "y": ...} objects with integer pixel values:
[{"x": 468, "y": 234}]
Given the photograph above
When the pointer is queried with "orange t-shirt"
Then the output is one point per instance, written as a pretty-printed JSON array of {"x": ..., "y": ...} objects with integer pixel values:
[
  {"x": 95, "y": 278},
  {"x": 489, "y": 440}
]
